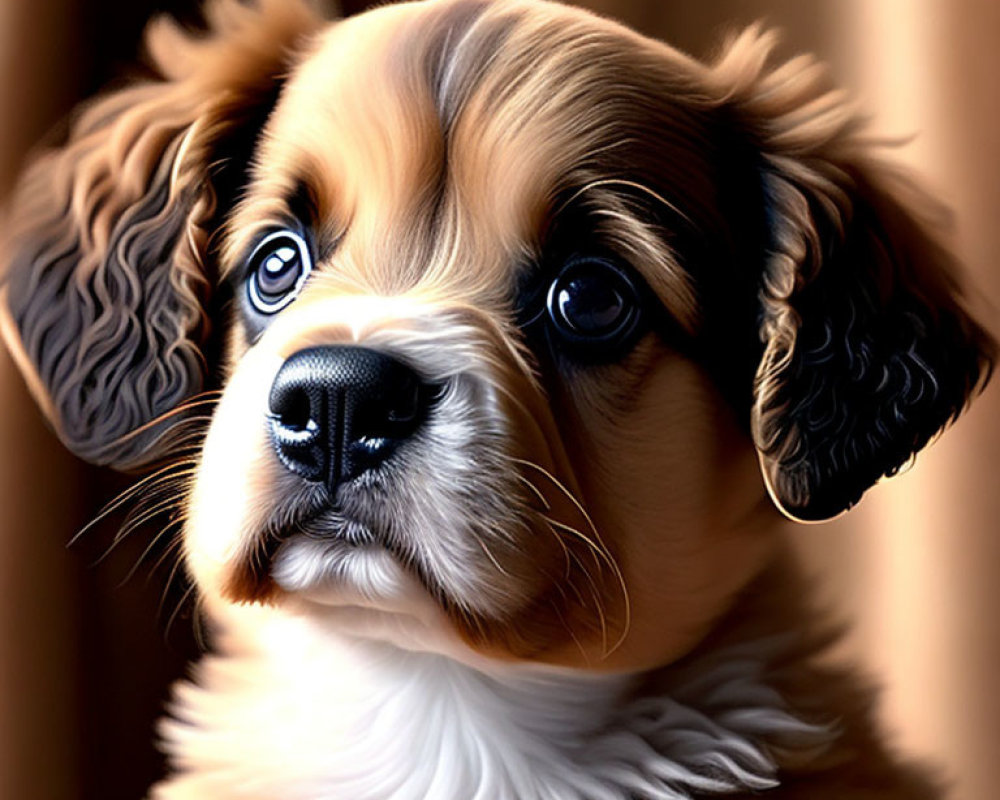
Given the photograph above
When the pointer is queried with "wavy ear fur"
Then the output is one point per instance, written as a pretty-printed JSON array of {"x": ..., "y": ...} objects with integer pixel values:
[
  {"x": 868, "y": 349},
  {"x": 105, "y": 283}
]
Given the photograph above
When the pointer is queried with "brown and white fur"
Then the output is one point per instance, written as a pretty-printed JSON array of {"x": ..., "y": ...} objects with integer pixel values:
[{"x": 569, "y": 582}]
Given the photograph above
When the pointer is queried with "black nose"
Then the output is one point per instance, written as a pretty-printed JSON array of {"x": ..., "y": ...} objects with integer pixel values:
[{"x": 337, "y": 412}]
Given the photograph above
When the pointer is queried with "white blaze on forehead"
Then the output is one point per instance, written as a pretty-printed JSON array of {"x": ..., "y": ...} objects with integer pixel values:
[{"x": 319, "y": 318}]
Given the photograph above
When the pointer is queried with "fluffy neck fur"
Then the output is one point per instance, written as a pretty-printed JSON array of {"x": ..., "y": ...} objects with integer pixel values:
[{"x": 285, "y": 710}]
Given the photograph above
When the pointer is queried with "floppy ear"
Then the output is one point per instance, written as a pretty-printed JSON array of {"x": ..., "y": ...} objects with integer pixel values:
[
  {"x": 868, "y": 350},
  {"x": 105, "y": 283}
]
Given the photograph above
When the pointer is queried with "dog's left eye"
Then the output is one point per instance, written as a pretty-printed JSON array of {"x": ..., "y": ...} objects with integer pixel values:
[
  {"x": 279, "y": 265},
  {"x": 594, "y": 303}
]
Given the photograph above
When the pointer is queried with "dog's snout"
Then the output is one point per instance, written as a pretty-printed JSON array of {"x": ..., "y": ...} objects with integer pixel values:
[{"x": 338, "y": 411}]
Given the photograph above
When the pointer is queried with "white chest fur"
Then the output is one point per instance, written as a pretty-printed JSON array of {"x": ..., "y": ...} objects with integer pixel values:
[{"x": 299, "y": 715}]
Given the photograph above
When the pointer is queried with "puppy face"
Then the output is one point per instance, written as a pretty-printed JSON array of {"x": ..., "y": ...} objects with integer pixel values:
[
  {"x": 458, "y": 201},
  {"x": 520, "y": 304}
]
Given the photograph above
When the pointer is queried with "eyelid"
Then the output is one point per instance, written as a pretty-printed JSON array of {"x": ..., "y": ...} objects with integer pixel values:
[{"x": 239, "y": 270}]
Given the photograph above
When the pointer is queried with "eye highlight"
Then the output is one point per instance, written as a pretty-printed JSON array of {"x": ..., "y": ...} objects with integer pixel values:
[
  {"x": 278, "y": 268},
  {"x": 594, "y": 305}
]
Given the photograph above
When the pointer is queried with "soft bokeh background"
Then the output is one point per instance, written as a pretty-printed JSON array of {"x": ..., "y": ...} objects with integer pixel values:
[{"x": 85, "y": 655}]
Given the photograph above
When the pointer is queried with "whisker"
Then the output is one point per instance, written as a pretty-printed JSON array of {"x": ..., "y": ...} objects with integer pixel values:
[
  {"x": 595, "y": 594},
  {"x": 174, "y": 574},
  {"x": 596, "y": 544},
  {"x": 161, "y": 476},
  {"x": 575, "y": 533},
  {"x": 536, "y": 491},
  {"x": 166, "y": 417},
  {"x": 133, "y": 524},
  {"x": 569, "y": 496},
  {"x": 177, "y": 610},
  {"x": 157, "y": 502},
  {"x": 569, "y": 559},
  {"x": 170, "y": 527},
  {"x": 490, "y": 556},
  {"x": 169, "y": 552}
]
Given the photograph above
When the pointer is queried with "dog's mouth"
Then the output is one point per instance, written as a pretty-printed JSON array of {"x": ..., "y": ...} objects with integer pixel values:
[
  {"x": 332, "y": 525},
  {"x": 326, "y": 555}
]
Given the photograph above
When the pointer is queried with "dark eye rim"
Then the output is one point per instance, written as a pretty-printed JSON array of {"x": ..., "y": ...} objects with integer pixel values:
[
  {"x": 262, "y": 303},
  {"x": 613, "y": 337}
]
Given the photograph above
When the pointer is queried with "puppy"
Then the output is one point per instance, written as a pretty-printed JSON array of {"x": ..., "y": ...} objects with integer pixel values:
[{"x": 500, "y": 333}]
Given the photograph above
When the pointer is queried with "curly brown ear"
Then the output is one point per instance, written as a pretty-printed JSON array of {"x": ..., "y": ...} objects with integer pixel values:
[
  {"x": 868, "y": 349},
  {"x": 105, "y": 281}
]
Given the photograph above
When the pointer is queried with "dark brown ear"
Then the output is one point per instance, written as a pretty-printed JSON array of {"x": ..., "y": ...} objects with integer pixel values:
[
  {"x": 868, "y": 349},
  {"x": 104, "y": 280}
]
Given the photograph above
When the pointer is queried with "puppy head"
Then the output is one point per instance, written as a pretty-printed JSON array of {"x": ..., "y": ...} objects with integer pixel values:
[{"x": 522, "y": 306}]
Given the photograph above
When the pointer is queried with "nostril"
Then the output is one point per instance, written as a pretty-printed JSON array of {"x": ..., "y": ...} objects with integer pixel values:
[
  {"x": 401, "y": 414},
  {"x": 405, "y": 404},
  {"x": 395, "y": 412},
  {"x": 293, "y": 411}
]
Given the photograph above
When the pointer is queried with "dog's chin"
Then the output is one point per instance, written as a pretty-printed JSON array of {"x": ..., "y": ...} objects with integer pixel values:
[
  {"x": 343, "y": 572},
  {"x": 361, "y": 589}
]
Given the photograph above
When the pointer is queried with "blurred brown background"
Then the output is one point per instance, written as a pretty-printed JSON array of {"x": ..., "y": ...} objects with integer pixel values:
[{"x": 85, "y": 655}]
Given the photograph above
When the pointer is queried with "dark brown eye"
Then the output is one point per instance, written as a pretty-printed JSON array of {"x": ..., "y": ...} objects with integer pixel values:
[
  {"x": 594, "y": 301},
  {"x": 279, "y": 266}
]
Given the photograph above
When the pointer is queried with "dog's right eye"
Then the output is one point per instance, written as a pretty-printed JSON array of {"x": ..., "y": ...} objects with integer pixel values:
[{"x": 279, "y": 266}]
